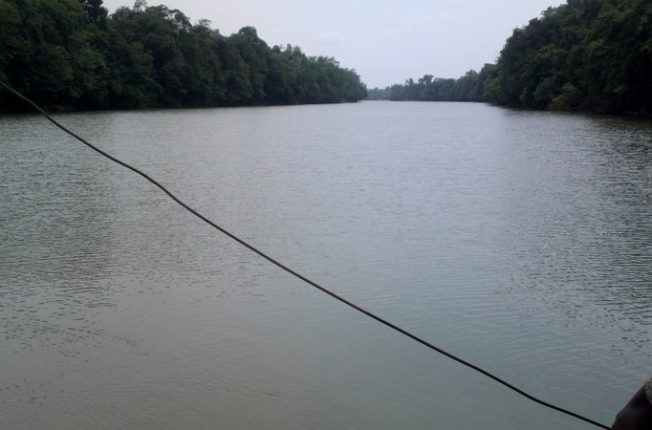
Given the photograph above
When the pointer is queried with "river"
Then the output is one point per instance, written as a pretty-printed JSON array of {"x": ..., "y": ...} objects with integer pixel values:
[{"x": 520, "y": 241}]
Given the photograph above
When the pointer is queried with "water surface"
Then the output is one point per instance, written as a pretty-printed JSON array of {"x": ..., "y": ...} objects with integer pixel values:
[{"x": 521, "y": 241}]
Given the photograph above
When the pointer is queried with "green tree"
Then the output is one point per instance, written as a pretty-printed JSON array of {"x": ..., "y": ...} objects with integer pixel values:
[{"x": 70, "y": 54}]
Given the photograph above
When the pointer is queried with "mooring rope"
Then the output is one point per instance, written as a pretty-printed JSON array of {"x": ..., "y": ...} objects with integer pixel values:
[{"x": 299, "y": 275}]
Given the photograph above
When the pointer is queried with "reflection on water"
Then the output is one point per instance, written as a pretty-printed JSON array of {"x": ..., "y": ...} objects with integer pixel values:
[{"x": 518, "y": 240}]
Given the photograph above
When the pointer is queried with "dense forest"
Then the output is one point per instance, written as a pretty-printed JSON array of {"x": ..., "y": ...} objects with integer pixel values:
[
  {"x": 71, "y": 54},
  {"x": 428, "y": 88},
  {"x": 590, "y": 55}
]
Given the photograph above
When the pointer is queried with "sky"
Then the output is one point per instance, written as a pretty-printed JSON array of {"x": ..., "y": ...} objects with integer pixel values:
[{"x": 385, "y": 41}]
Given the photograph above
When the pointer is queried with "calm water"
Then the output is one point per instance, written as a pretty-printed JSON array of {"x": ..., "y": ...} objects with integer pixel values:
[{"x": 521, "y": 241}]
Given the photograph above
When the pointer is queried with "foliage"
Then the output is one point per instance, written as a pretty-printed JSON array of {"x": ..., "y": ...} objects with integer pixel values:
[
  {"x": 429, "y": 88},
  {"x": 70, "y": 54},
  {"x": 593, "y": 55},
  {"x": 378, "y": 93}
]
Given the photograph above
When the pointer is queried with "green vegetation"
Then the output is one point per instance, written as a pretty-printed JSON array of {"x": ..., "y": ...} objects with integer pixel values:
[
  {"x": 465, "y": 89},
  {"x": 70, "y": 54},
  {"x": 590, "y": 55}
]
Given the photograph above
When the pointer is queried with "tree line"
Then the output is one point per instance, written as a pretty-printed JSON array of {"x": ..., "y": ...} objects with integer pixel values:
[
  {"x": 589, "y": 55},
  {"x": 71, "y": 54},
  {"x": 428, "y": 88}
]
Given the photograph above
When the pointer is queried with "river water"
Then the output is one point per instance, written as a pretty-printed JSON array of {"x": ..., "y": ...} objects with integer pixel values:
[{"x": 520, "y": 241}]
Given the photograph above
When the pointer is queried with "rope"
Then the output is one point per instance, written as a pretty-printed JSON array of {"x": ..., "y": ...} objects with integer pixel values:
[{"x": 302, "y": 277}]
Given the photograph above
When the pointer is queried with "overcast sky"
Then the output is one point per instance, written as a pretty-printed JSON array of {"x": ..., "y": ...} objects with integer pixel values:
[{"x": 385, "y": 41}]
